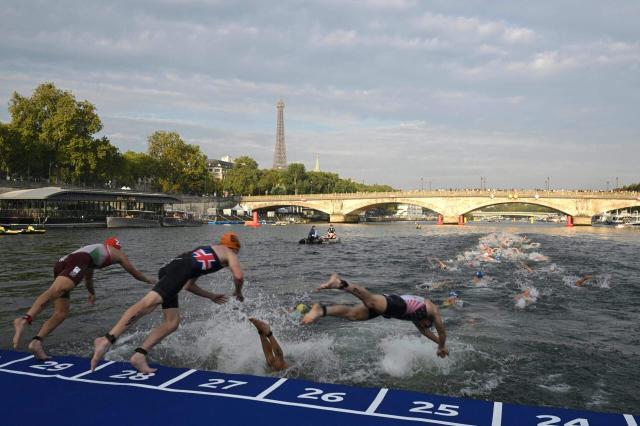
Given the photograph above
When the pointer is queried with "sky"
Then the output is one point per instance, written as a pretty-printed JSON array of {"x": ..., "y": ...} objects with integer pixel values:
[{"x": 413, "y": 94}]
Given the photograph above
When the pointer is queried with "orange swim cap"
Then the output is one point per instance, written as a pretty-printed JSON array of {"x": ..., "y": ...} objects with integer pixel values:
[
  {"x": 230, "y": 240},
  {"x": 113, "y": 242}
]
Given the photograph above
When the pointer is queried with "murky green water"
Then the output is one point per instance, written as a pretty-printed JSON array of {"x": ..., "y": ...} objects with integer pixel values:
[{"x": 573, "y": 347}]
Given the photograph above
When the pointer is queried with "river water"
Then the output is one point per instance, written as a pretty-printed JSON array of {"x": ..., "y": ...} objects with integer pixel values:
[{"x": 568, "y": 346}]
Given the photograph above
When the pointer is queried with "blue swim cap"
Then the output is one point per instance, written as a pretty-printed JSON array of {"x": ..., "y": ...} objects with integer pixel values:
[
  {"x": 453, "y": 294},
  {"x": 498, "y": 258},
  {"x": 479, "y": 274}
]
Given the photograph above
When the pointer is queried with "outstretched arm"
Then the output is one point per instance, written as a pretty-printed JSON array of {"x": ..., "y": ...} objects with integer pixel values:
[
  {"x": 238, "y": 276},
  {"x": 441, "y": 337},
  {"x": 126, "y": 264},
  {"x": 198, "y": 291},
  {"x": 88, "y": 281}
]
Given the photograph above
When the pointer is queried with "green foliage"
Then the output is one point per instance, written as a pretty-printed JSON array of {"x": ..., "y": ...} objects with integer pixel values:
[
  {"x": 57, "y": 132},
  {"x": 633, "y": 187},
  {"x": 295, "y": 177},
  {"x": 11, "y": 154},
  {"x": 180, "y": 167},
  {"x": 244, "y": 177},
  {"x": 52, "y": 135}
]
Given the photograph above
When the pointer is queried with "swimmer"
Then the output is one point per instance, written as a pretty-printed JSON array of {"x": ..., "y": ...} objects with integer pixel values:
[
  {"x": 477, "y": 278},
  {"x": 525, "y": 266},
  {"x": 581, "y": 281},
  {"x": 452, "y": 300},
  {"x": 298, "y": 311},
  {"x": 272, "y": 351},
  {"x": 524, "y": 299},
  {"x": 68, "y": 272},
  {"x": 181, "y": 272},
  {"x": 419, "y": 310},
  {"x": 441, "y": 264}
]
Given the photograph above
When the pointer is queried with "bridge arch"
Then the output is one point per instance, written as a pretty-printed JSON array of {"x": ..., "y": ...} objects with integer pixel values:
[
  {"x": 359, "y": 206},
  {"x": 276, "y": 205},
  {"x": 533, "y": 203}
]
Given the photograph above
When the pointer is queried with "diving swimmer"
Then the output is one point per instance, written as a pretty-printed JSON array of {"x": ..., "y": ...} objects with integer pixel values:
[
  {"x": 273, "y": 354},
  {"x": 419, "y": 310},
  {"x": 68, "y": 272},
  {"x": 181, "y": 272}
]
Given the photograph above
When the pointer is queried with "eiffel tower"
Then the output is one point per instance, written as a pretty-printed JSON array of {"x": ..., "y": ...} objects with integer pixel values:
[{"x": 279, "y": 154}]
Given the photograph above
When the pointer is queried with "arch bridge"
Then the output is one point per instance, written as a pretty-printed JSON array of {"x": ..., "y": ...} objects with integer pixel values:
[{"x": 452, "y": 206}]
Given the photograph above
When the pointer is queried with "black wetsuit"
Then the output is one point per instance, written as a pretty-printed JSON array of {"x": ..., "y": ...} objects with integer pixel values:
[
  {"x": 405, "y": 307},
  {"x": 175, "y": 274}
]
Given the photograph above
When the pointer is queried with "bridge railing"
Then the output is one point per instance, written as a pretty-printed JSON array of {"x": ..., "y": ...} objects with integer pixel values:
[{"x": 497, "y": 193}]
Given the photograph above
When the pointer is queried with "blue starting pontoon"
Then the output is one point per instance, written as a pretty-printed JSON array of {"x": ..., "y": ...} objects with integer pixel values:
[{"x": 63, "y": 391}]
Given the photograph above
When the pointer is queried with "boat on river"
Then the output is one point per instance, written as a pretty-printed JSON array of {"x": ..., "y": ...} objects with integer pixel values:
[
  {"x": 177, "y": 218},
  {"x": 311, "y": 241},
  {"x": 134, "y": 219},
  {"x": 22, "y": 231}
]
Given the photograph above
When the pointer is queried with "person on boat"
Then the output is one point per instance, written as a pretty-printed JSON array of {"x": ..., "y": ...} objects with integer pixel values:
[
  {"x": 181, "y": 272},
  {"x": 67, "y": 273},
  {"x": 331, "y": 233},
  {"x": 272, "y": 351},
  {"x": 313, "y": 234},
  {"x": 421, "y": 311}
]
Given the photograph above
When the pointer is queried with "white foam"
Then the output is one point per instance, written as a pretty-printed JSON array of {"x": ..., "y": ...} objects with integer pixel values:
[{"x": 406, "y": 356}]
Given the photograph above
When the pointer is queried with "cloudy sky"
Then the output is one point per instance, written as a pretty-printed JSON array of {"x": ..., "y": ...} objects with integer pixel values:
[{"x": 403, "y": 92}]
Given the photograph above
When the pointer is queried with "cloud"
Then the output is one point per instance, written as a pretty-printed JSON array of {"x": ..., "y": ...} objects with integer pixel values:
[{"x": 385, "y": 91}]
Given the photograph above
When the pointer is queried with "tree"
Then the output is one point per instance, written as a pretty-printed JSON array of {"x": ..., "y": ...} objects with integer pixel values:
[
  {"x": 181, "y": 167},
  {"x": 294, "y": 176},
  {"x": 243, "y": 178},
  {"x": 11, "y": 155},
  {"x": 52, "y": 124},
  {"x": 272, "y": 182}
]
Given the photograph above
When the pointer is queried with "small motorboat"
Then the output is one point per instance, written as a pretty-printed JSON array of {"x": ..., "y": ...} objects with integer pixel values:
[
  {"x": 333, "y": 240},
  {"x": 311, "y": 241},
  {"x": 22, "y": 231}
]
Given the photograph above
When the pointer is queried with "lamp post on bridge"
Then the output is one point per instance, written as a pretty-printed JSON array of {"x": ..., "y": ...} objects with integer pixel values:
[{"x": 421, "y": 184}]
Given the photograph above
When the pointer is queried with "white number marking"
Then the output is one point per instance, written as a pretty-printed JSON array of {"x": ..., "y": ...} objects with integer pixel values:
[
  {"x": 213, "y": 384},
  {"x": 51, "y": 366},
  {"x": 553, "y": 420},
  {"x": 424, "y": 407},
  {"x": 326, "y": 397},
  {"x": 132, "y": 375}
]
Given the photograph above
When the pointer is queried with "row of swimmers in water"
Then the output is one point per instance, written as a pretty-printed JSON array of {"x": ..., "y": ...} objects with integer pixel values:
[{"x": 182, "y": 272}]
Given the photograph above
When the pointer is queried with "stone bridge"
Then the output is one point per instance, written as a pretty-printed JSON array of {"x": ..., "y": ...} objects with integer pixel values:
[{"x": 452, "y": 206}]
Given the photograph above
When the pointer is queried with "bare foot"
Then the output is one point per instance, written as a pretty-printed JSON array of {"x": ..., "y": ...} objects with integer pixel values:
[
  {"x": 334, "y": 282},
  {"x": 314, "y": 313},
  {"x": 139, "y": 362},
  {"x": 101, "y": 346},
  {"x": 18, "y": 325},
  {"x": 35, "y": 346},
  {"x": 262, "y": 326}
]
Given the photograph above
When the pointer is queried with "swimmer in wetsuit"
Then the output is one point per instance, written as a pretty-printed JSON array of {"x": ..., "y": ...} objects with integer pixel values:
[
  {"x": 67, "y": 274},
  {"x": 181, "y": 272},
  {"x": 418, "y": 310}
]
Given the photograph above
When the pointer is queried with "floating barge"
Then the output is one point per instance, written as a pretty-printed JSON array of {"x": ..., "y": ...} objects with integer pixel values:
[
  {"x": 70, "y": 393},
  {"x": 76, "y": 207}
]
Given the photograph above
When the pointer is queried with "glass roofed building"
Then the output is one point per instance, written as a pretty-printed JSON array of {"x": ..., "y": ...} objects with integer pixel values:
[{"x": 54, "y": 205}]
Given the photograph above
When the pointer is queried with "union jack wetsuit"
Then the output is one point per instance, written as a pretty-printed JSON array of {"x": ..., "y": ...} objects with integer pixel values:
[{"x": 175, "y": 274}]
